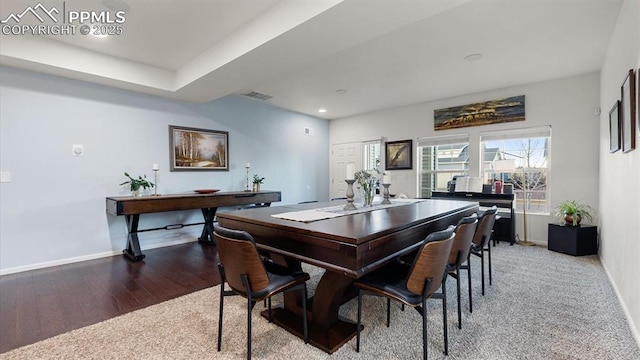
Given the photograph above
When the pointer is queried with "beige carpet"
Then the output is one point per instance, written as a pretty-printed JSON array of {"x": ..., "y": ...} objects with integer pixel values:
[{"x": 542, "y": 305}]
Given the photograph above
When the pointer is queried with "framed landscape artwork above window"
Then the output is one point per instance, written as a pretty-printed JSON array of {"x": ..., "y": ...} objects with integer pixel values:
[{"x": 198, "y": 149}]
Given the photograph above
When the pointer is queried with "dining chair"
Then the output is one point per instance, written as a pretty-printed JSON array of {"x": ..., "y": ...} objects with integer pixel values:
[
  {"x": 412, "y": 284},
  {"x": 481, "y": 241},
  {"x": 252, "y": 277},
  {"x": 460, "y": 254}
]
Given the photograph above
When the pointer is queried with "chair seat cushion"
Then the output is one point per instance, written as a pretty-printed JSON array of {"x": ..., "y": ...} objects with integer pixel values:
[{"x": 391, "y": 281}]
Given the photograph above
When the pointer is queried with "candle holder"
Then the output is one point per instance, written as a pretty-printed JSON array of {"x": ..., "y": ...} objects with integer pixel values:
[
  {"x": 350, "y": 195},
  {"x": 246, "y": 189},
  {"x": 155, "y": 182},
  {"x": 385, "y": 194}
]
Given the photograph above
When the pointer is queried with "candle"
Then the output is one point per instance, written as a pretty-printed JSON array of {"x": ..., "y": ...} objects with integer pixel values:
[
  {"x": 351, "y": 171},
  {"x": 247, "y": 165},
  {"x": 155, "y": 167},
  {"x": 386, "y": 178}
]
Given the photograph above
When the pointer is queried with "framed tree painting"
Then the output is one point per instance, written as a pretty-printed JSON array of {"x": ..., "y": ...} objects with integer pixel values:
[
  {"x": 614, "y": 127},
  {"x": 198, "y": 149},
  {"x": 628, "y": 112},
  {"x": 398, "y": 155}
]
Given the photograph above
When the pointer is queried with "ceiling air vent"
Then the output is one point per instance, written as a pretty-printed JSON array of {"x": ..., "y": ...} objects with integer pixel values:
[{"x": 257, "y": 95}]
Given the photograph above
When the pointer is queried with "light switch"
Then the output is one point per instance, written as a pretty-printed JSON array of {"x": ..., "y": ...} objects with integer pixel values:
[
  {"x": 77, "y": 150},
  {"x": 5, "y": 176}
]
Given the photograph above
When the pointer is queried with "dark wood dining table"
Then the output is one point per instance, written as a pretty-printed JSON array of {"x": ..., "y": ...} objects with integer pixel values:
[{"x": 347, "y": 247}]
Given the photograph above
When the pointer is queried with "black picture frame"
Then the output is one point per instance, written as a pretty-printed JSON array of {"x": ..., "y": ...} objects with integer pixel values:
[
  {"x": 628, "y": 112},
  {"x": 614, "y": 128},
  {"x": 193, "y": 149},
  {"x": 398, "y": 155}
]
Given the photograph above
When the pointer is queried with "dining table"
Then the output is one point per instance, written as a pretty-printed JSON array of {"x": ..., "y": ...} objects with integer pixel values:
[{"x": 346, "y": 244}]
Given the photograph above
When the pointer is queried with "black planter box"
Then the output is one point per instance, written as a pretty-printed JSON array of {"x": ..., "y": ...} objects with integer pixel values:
[{"x": 573, "y": 240}]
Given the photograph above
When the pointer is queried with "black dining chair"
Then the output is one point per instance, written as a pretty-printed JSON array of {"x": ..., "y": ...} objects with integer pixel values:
[
  {"x": 460, "y": 254},
  {"x": 252, "y": 277},
  {"x": 413, "y": 284},
  {"x": 481, "y": 241}
]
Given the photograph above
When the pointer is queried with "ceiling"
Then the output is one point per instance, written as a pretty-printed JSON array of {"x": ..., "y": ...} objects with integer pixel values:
[{"x": 347, "y": 56}]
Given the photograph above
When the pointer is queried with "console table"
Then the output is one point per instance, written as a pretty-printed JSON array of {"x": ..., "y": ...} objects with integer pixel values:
[
  {"x": 132, "y": 207},
  {"x": 505, "y": 201}
]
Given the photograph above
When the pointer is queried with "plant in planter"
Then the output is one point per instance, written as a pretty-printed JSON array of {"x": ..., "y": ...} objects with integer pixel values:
[
  {"x": 136, "y": 184},
  {"x": 573, "y": 212},
  {"x": 257, "y": 181}
]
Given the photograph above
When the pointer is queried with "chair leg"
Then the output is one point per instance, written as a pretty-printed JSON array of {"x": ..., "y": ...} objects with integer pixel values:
[
  {"x": 489, "y": 254},
  {"x": 482, "y": 267},
  {"x": 424, "y": 328},
  {"x": 249, "y": 327},
  {"x": 469, "y": 283},
  {"x": 444, "y": 317},
  {"x": 458, "y": 292},
  {"x": 220, "y": 313},
  {"x": 269, "y": 309},
  {"x": 250, "y": 303},
  {"x": 388, "y": 311},
  {"x": 358, "y": 323},
  {"x": 304, "y": 313}
]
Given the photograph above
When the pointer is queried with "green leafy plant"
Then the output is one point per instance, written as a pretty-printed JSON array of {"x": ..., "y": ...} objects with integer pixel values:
[
  {"x": 140, "y": 182},
  {"x": 573, "y": 212},
  {"x": 257, "y": 179}
]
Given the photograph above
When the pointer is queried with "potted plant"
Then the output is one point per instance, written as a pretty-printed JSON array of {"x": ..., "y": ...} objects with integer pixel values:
[
  {"x": 136, "y": 184},
  {"x": 257, "y": 180},
  {"x": 573, "y": 212}
]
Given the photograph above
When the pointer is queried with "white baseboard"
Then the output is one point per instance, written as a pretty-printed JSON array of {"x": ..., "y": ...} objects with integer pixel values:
[
  {"x": 627, "y": 314},
  {"x": 87, "y": 257}
]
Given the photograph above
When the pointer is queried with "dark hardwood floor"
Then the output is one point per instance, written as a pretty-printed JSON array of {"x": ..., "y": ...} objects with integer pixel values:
[{"x": 39, "y": 304}]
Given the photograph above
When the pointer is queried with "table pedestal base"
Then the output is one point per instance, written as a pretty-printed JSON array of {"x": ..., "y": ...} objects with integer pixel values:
[{"x": 326, "y": 339}]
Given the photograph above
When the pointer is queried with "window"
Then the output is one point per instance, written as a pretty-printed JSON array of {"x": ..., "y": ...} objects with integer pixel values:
[
  {"x": 439, "y": 160},
  {"x": 529, "y": 151},
  {"x": 371, "y": 151}
]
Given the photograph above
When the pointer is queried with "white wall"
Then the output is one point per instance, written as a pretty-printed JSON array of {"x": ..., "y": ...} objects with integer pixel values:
[
  {"x": 565, "y": 104},
  {"x": 53, "y": 210},
  {"x": 620, "y": 173}
]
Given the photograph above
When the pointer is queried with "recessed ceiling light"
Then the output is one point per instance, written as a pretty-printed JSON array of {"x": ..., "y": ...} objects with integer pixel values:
[
  {"x": 473, "y": 57},
  {"x": 322, "y": 110}
]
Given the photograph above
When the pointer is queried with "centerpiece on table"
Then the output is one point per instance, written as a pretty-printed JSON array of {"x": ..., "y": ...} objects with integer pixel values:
[{"x": 368, "y": 179}]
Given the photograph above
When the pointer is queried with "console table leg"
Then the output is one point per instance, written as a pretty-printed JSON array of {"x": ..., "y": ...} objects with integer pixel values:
[
  {"x": 207, "y": 231},
  {"x": 133, "y": 251}
]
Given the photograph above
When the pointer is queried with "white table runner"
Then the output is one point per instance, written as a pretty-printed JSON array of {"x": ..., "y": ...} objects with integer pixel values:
[{"x": 338, "y": 210}]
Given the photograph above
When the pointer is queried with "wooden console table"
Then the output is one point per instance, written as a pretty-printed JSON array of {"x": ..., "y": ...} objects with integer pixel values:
[
  {"x": 505, "y": 201},
  {"x": 132, "y": 207}
]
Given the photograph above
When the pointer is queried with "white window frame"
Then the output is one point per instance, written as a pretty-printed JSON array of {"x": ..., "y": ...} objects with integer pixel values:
[
  {"x": 432, "y": 143},
  {"x": 539, "y": 169}
]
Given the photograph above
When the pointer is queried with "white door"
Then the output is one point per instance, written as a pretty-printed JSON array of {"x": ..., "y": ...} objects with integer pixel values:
[{"x": 341, "y": 155}]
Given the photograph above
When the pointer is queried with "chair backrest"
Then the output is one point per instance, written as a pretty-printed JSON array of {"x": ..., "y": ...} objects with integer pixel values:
[
  {"x": 239, "y": 255},
  {"x": 485, "y": 226},
  {"x": 462, "y": 242},
  {"x": 430, "y": 262}
]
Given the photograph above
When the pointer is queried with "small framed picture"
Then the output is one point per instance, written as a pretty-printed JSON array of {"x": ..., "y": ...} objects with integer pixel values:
[
  {"x": 614, "y": 127},
  {"x": 198, "y": 149},
  {"x": 628, "y": 112},
  {"x": 398, "y": 155}
]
